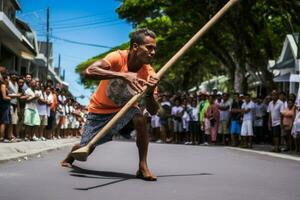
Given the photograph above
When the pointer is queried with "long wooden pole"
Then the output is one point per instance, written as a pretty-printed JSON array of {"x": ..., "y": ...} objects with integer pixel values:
[{"x": 82, "y": 153}]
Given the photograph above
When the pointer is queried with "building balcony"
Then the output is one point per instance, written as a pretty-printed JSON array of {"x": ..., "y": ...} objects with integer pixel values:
[{"x": 13, "y": 39}]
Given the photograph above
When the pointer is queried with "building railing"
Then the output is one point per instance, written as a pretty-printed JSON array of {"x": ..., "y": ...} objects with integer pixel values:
[{"x": 7, "y": 7}]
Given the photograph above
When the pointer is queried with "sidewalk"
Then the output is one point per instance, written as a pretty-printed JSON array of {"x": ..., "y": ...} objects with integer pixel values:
[
  {"x": 11, "y": 151},
  {"x": 265, "y": 150}
]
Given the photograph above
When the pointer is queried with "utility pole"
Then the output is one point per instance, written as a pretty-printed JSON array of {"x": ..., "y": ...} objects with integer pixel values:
[
  {"x": 58, "y": 64},
  {"x": 298, "y": 45},
  {"x": 47, "y": 40}
]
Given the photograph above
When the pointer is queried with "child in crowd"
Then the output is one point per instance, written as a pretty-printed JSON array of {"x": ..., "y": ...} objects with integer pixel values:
[
  {"x": 177, "y": 112},
  {"x": 194, "y": 122},
  {"x": 155, "y": 127},
  {"x": 185, "y": 125}
]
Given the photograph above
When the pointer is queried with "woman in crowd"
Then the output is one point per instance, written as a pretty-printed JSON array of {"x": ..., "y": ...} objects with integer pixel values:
[
  {"x": 288, "y": 116},
  {"x": 31, "y": 114},
  {"x": 5, "y": 116},
  {"x": 212, "y": 118},
  {"x": 42, "y": 110}
]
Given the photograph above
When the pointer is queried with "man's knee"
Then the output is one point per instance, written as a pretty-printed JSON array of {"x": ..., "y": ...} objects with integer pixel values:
[
  {"x": 139, "y": 119},
  {"x": 139, "y": 122}
]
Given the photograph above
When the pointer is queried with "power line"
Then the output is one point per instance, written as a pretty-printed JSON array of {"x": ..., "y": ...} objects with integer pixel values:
[
  {"x": 78, "y": 23},
  {"x": 87, "y": 28},
  {"x": 66, "y": 23},
  {"x": 84, "y": 24},
  {"x": 79, "y": 17},
  {"x": 81, "y": 43}
]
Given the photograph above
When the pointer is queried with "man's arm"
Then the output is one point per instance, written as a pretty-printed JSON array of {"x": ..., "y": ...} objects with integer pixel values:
[{"x": 100, "y": 70}]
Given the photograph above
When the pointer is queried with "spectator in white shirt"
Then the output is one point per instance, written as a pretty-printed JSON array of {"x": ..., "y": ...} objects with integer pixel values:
[
  {"x": 247, "y": 125},
  {"x": 185, "y": 124},
  {"x": 275, "y": 108},
  {"x": 224, "y": 108},
  {"x": 194, "y": 122},
  {"x": 155, "y": 127},
  {"x": 42, "y": 109},
  {"x": 31, "y": 115}
]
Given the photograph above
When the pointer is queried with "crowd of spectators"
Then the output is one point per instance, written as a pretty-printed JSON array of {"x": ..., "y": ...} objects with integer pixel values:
[
  {"x": 32, "y": 110},
  {"x": 227, "y": 119}
]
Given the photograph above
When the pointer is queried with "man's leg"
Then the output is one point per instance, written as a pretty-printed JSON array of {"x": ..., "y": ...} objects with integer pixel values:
[
  {"x": 276, "y": 138},
  {"x": 142, "y": 142}
]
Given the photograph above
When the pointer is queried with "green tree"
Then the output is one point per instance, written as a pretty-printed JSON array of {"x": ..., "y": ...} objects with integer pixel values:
[{"x": 242, "y": 42}]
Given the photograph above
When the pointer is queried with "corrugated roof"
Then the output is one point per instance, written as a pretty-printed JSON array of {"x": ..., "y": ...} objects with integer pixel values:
[{"x": 285, "y": 64}]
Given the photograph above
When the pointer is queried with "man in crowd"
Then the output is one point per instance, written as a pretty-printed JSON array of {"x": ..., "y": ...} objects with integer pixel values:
[
  {"x": 235, "y": 118},
  {"x": 276, "y": 106},
  {"x": 260, "y": 112},
  {"x": 247, "y": 125},
  {"x": 224, "y": 108}
]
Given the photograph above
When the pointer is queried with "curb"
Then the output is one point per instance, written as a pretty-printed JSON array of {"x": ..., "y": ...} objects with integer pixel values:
[
  {"x": 15, "y": 151},
  {"x": 276, "y": 155}
]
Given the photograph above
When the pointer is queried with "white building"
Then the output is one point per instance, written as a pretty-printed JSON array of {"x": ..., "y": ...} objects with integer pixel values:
[
  {"x": 19, "y": 49},
  {"x": 286, "y": 68}
]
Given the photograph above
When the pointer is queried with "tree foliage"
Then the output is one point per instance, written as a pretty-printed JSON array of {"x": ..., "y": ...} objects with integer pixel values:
[{"x": 242, "y": 42}]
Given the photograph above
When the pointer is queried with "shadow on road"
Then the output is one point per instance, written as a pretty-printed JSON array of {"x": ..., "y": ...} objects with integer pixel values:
[{"x": 86, "y": 173}]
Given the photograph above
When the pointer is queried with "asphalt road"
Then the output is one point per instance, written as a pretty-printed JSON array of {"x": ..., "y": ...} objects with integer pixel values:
[{"x": 185, "y": 172}]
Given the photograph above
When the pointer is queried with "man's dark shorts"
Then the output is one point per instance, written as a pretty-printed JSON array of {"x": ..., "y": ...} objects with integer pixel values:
[
  {"x": 276, "y": 131},
  {"x": 95, "y": 122}
]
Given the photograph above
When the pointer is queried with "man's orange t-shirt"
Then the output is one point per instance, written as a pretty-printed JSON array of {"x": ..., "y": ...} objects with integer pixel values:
[{"x": 112, "y": 94}]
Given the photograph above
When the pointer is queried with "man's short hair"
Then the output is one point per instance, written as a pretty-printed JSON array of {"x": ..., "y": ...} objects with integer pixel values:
[
  {"x": 30, "y": 74},
  {"x": 139, "y": 35},
  {"x": 282, "y": 93},
  {"x": 13, "y": 72}
]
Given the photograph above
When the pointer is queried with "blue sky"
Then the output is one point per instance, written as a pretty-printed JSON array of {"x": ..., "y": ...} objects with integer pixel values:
[{"x": 91, "y": 21}]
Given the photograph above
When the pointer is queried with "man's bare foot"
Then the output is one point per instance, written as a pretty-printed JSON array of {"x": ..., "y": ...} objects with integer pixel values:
[
  {"x": 145, "y": 174},
  {"x": 65, "y": 164}
]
